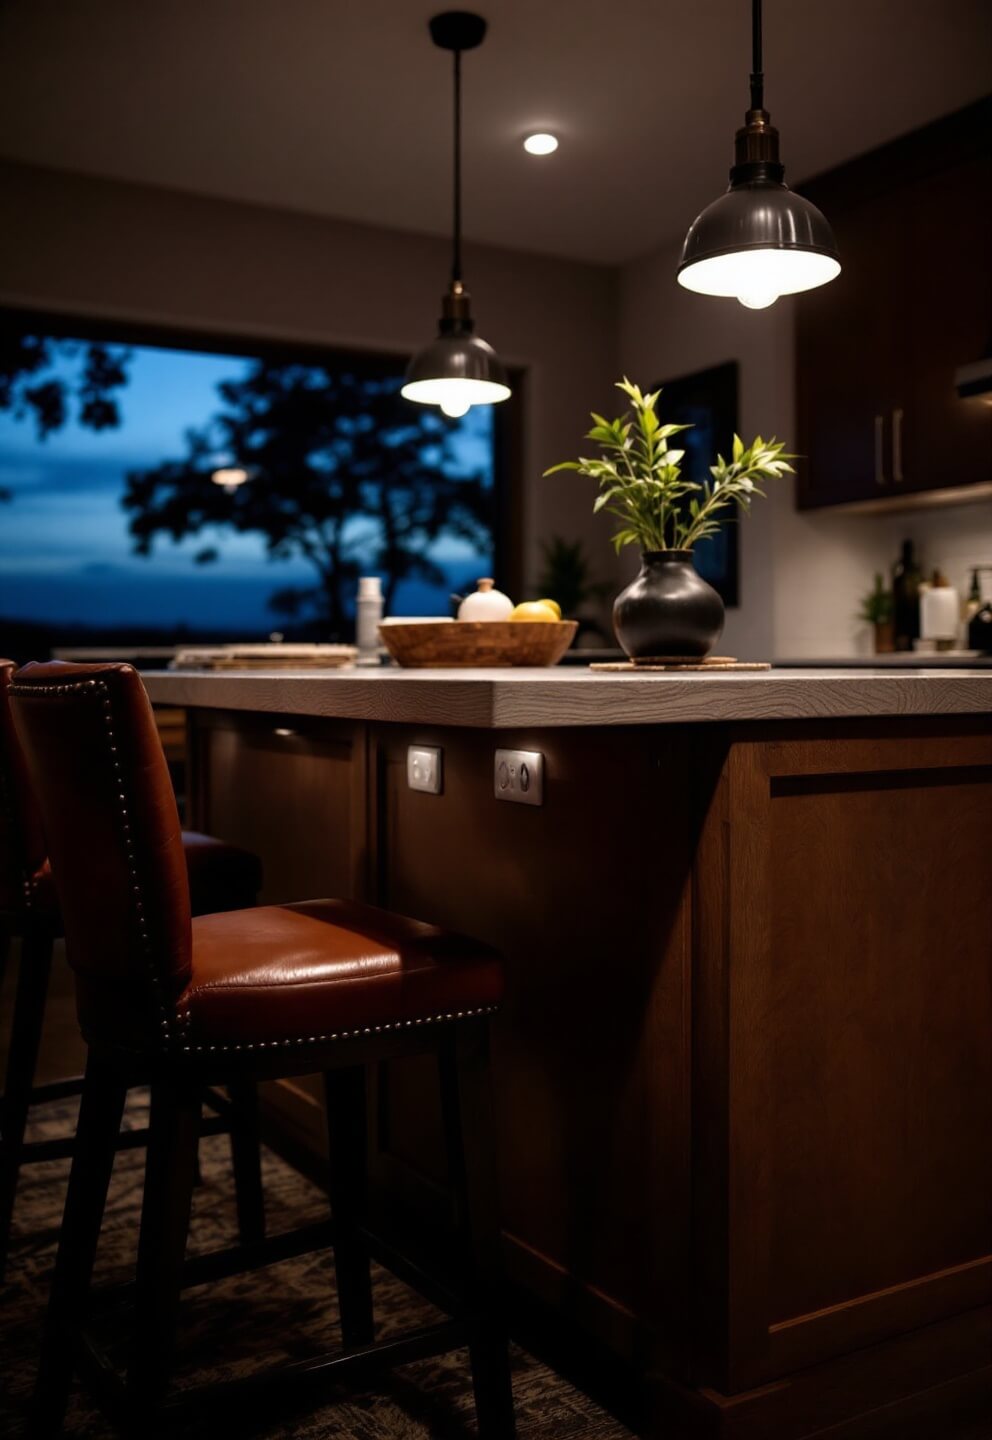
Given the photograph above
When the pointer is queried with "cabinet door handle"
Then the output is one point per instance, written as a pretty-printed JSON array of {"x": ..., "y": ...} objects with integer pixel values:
[
  {"x": 897, "y": 474},
  {"x": 879, "y": 450}
]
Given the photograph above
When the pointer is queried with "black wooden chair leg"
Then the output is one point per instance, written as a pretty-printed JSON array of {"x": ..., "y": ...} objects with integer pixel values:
[
  {"x": 471, "y": 1144},
  {"x": 173, "y": 1135},
  {"x": 25, "y": 1039},
  {"x": 5, "y": 938},
  {"x": 345, "y": 1101},
  {"x": 100, "y": 1112},
  {"x": 246, "y": 1161}
]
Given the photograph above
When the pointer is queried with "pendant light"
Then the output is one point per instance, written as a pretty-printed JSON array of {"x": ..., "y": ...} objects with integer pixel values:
[
  {"x": 457, "y": 370},
  {"x": 759, "y": 240}
]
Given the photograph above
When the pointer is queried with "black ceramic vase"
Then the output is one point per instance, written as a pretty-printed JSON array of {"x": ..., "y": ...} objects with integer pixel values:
[{"x": 668, "y": 610}]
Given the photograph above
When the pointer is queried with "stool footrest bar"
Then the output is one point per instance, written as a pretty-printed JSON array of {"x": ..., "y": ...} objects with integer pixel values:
[
  {"x": 334, "y": 1369},
  {"x": 233, "y": 1260},
  {"x": 57, "y": 1090},
  {"x": 341, "y": 1368},
  {"x": 61, "y": 1147}
]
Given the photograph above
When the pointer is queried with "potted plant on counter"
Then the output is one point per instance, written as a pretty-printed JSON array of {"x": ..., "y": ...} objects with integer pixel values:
[
  {"x": 878, "y": 610},
  {"x": 669, "y": 610},
  {"x": 567, "y": 573}
]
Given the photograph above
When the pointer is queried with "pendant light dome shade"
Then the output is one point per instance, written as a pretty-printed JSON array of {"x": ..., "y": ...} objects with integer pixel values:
[
  {"x": 456, "y": 372},
  {"x": 759, "y": 240},
  {"x": 457, "y": 369}
]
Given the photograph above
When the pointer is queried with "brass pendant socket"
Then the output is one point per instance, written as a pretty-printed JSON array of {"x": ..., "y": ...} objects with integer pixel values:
[
  {"x": 756, "y": 151},
  {"x": 456, "y": 311}
]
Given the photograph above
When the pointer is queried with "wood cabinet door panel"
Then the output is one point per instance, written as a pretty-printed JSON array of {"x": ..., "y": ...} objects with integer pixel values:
[
  {"x": 852, "y": 345},
  {"x": 879, "y": 419},
  {"x": 854, "y": 1056},
  {"x": 948, "y": 440},
  {"x": 293, "y": 791},
  {"x": 590, "y": 1047}
]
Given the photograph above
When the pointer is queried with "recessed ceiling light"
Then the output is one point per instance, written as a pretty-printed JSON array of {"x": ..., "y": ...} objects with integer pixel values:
[{"x": 541, "y": 144}]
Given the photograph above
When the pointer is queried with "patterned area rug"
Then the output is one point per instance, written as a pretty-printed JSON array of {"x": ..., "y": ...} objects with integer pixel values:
[{"x": 285, "y": 1312}]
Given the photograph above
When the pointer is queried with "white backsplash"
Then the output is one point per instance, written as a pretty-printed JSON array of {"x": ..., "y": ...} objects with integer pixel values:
[{"x": 825, "y": 562}]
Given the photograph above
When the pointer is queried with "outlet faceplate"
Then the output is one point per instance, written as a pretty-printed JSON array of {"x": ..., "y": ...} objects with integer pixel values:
[
  {"x": 423, "y": 768},
  {"x": 519, "y": 775}
]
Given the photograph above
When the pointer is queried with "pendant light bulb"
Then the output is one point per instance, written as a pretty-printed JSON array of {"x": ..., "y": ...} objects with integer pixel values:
[
  {"x": 759, "y": 240},
  {"x": 758, "y": 299},
  {"x": 457, "y": 369},
  {"x": 453, "y": 404}
]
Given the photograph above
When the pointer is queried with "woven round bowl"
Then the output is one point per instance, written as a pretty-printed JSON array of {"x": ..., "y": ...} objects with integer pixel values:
[{"x": 464, "y": 644}]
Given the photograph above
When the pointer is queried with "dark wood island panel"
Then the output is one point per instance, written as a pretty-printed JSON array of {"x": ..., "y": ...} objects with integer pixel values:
[
  {"x": 843, "y": 1049},
  {"x": 745, "y": 1065}
]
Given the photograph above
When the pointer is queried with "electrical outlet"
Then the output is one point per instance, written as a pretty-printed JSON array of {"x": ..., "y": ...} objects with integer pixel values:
[
  {"x": 519, "y": 775},
  {"x": 423, "y": 768}
]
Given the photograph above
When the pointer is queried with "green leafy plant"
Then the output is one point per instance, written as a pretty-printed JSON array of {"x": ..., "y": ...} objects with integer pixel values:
[
  {"x": 877, "y": 607},
  {"x": 567, "y": 575},
  {"x": 641, "y": 482}
]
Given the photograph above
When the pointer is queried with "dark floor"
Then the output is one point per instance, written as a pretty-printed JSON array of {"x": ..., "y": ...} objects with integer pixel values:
[
  {"x": 289, "y": 1311},
  {"x": 281, "y": 1314}
]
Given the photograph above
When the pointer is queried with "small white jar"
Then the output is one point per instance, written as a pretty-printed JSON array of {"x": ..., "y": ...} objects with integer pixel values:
[{"x": 486, "y": 603}]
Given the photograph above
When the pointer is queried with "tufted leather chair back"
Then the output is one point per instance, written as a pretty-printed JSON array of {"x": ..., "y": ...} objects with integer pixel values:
[
  {"x": 22, "y": 839},
  {"x": 114, "y": 841}
]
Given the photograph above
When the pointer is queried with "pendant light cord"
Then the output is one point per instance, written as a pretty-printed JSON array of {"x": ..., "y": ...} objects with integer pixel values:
[
  {"x": 456, "y": 257},
  {"x": 757, "y": 74}
]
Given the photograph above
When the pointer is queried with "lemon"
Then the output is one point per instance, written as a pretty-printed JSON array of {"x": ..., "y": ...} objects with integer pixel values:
[
  {"x": 534, "y": 610},
  {"x": 552, "y": 605}
]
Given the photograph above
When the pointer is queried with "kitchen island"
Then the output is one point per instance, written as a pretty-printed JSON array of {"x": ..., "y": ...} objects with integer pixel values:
[{"x": 744, "y": 1066}]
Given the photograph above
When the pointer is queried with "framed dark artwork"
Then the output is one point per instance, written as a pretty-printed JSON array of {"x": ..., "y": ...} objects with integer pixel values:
[{"x": 707, "y": 400}]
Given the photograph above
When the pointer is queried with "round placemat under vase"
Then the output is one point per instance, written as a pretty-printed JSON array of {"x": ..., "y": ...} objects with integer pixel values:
[{"x": 680, "y": 662}]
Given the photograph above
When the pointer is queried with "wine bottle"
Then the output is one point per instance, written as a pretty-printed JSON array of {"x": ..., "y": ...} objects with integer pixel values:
[{"x": 906, "y": 576}]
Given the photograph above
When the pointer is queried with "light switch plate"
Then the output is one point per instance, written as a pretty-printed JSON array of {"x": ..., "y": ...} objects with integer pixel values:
[
  {"x": 423, "y": 768},
  {"x": 519, "y": 775}
]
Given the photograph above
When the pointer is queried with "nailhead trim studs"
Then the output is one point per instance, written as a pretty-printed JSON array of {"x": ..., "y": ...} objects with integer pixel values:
[
  {"x": 97, "y": 689},
  {"x": 331, "y": 1036}
]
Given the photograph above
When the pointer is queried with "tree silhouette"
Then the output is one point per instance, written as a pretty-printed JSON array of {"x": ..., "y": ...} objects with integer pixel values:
[
  {"x": 343, "y": 473},
  {"x": 32, "y": 387}
]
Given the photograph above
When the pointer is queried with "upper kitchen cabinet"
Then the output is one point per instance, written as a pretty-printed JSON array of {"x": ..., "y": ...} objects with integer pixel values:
[{"x": 880, "y": 422}]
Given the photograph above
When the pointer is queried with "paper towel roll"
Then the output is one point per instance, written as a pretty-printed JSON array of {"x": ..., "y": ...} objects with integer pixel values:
[{"x": 939, "y": 618}]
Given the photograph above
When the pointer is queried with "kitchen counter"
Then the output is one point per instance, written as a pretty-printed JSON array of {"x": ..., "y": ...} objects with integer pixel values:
[
  {"x": 900, "y": 660},
  {"x": 572, "y": 696},
  {"x": 744, "y": 1081}
]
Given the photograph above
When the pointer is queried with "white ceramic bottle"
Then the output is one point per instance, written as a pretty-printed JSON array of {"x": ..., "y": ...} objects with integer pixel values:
[
  {"x": 368, "y": 614},
  {"x": 486, "y": 603}
]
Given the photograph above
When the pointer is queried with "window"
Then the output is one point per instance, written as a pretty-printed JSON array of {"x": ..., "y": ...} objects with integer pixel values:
[{"x": 113, "y": 528}]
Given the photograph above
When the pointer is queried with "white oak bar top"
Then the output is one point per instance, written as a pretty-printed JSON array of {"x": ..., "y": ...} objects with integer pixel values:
[{"x": 570, "y": 695}]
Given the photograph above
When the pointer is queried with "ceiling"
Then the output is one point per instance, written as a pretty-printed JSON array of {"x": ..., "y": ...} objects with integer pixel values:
[{"x": 342, "y": 107}]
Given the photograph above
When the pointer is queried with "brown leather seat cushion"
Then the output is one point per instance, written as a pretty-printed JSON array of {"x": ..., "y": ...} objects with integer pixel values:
[{"x": 289, "y": 974}]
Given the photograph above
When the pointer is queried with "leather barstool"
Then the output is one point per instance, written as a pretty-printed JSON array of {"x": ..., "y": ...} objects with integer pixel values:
[
  {"x": 325, "y": 985},
  {"x": 221, "y": 877}
]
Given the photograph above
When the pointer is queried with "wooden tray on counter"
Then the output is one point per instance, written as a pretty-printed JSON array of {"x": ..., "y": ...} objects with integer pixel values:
[
  {"x": 464, "y": 644},
  {"x": 270, "y": 656}
]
